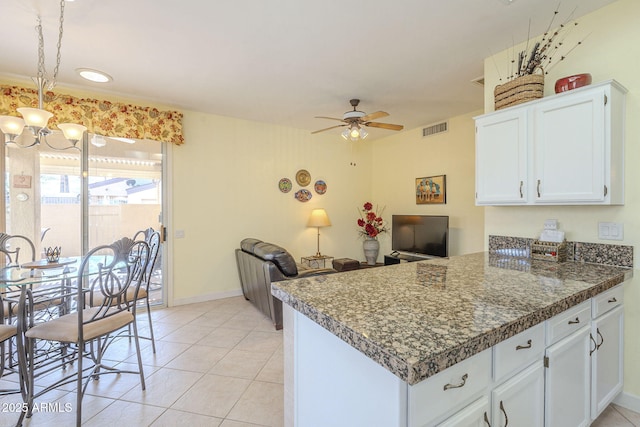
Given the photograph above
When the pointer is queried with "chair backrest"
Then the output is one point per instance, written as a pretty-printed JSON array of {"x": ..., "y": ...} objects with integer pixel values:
[
  {"x": 14, "y": 245},
  {"x": 108, "y": 271},
  {"x": 152, "y": 237}
]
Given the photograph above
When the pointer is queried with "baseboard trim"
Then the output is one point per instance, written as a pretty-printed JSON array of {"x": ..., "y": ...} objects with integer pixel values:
[
  {"x": 207, "y": 297},
  {"x": 629, "y": 401}
]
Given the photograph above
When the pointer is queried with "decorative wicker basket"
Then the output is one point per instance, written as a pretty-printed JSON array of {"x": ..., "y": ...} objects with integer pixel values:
[
  {"x": 549, "y": 251},
  {"x": 519, "y": 90}
]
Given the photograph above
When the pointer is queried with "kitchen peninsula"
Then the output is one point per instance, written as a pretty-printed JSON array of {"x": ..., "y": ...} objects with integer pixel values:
[{"x": 420, "y": 343}]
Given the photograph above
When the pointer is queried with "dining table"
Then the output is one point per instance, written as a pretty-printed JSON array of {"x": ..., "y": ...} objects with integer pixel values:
[{"x": 35, "y": 292}]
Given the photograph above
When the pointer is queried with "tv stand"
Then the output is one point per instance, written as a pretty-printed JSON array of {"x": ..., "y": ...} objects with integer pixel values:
[{"x": 396, "y": 257}]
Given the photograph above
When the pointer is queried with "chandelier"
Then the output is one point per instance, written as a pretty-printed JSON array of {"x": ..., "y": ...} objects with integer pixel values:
[{"x": 34, "y": 120}]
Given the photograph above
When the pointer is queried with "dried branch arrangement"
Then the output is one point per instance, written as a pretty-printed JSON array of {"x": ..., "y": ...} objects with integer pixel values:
[{"x": 546, "y": 52}]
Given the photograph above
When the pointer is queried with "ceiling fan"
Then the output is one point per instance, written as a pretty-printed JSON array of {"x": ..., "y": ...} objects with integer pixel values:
[{"x": 355, "y": 120}]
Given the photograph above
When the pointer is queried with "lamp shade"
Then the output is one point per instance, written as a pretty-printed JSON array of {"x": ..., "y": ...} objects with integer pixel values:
[
  {"x": 35, "y": 117},
  {"x": 72, "y": 131},
  {"x": 318, "y": 218}
]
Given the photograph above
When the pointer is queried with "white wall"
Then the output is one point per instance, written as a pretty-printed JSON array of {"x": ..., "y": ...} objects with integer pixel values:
[
  {"x": 612, "y": 51},
  {"x": 401, "y": 158}
]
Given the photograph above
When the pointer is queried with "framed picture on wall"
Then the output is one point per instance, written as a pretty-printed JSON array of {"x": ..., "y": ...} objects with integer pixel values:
[{"x": 431, "y": 190}]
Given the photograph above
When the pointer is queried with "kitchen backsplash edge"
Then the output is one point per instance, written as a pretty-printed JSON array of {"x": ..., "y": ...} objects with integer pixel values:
[{"x": 597, "y": 253}]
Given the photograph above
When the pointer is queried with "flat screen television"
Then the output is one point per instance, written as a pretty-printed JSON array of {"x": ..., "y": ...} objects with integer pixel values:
[{"x": 420, "y": 234}]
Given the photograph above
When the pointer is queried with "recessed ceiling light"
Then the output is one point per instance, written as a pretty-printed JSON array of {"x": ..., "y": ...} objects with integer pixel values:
[
  {"x": 94, "y": 75},
  {"x": 507, "y": 2}
]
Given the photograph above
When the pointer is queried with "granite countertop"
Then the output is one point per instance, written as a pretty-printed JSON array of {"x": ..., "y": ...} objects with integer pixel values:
[{"x": 416, "y": 319}]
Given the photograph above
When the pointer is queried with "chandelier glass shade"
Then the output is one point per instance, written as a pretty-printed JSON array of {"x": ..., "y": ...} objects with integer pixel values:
[{"x": 35, "y": 120}]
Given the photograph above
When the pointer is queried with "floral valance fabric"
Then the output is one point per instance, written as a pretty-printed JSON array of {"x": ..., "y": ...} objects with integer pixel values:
[{"x": 100, "y": 117}]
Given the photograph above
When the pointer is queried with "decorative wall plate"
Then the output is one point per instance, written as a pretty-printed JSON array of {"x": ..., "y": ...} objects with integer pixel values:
[
  {"x": 285, "y": 185},
  {"x": 320, "y": 186},
  {"x": 303, "y": 195},
  {"x": 303, "y": 177}
]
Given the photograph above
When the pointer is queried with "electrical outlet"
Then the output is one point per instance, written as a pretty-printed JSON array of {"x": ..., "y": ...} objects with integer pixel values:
[
  {"x": 179, "y": 234},
  {"x": 611, "y": 231},
  {"x": 551, "y": 224}
]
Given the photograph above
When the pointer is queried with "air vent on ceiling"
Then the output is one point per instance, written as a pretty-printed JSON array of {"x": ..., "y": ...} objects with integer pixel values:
[{"x": 434, "y": 129}]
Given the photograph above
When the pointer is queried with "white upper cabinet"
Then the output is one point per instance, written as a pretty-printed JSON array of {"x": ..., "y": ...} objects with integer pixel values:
[
  {"x": 566, "y": 149},
  {"x": 501, "y": 158}
]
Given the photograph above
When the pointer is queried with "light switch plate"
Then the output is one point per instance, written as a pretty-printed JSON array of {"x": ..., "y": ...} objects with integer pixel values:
[{"x": 611, "y": 231}]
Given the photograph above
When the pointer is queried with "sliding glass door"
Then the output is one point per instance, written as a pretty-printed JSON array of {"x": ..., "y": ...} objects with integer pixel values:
[{"x": 80, "y": 199}]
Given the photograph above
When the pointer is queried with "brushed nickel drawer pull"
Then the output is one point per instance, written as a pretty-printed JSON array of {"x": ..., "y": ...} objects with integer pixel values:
[
  {"x": 613, "y": 300},
  {"x": 464, "y": 380},
  {"x": 601, "y": 339},
  {"x": 506, "y": 419},
  {"x": 486, "y": 419},
  {"x": 573, "y": 322},
  {"x": 521, "y": 195},
  {"x": 538, "y": 188},
  {"x": 522, "y": 347}
]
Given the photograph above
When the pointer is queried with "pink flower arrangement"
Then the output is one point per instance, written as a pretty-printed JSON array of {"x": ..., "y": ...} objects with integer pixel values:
[{"x": 370, "y": 223}]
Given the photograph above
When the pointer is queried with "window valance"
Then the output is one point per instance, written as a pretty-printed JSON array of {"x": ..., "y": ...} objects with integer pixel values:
[{"x": 100, "y": 117}]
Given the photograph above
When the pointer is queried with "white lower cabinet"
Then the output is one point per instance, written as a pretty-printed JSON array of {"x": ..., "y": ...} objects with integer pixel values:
[
  {"x": 606, "y": 360},
  {"x": 567, "y": 381},
  {"x": 474, "y": 415},
  {"x": 520, "y": 400}
]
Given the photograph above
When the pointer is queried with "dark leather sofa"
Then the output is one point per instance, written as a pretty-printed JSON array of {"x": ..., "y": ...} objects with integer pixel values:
[{"x": 259, "y": 264}]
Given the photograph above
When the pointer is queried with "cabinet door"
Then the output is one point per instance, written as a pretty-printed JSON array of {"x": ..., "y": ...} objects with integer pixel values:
[
  {"x": 567, "y": 381},
  {"x": 520, "y": 400},
  {"x": 501, "y": 158},
  {"x": 474, "y": 415},
  {"x": 606, "y": 360},
  {"x": 570, "y": 156}
]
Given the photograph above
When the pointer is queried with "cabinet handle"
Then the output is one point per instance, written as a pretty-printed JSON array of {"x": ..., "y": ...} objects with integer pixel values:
[
  {"x": 538, "y": 188},
  {"x": 601, "y": 339},
  {"x": 613, "y": 300},
  {"x": 486, "y": 419},
  {"x": 506, "y": 419},
  {"x": 573, "y": 322},
  {"x": 521, "y": 195},
  {"x": 464, "y": 380},
  {"x": 522, "y": 347},
  {"x": 595, "y": 346},
  {"x": 605, "y": 191}
]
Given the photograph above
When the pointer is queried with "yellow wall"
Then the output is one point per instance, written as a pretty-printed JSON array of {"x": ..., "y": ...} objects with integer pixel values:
[
  {"x": 225, "y": 188},
  {"x": 399, "y": 159},
  {"x": 612, "y": 51}
]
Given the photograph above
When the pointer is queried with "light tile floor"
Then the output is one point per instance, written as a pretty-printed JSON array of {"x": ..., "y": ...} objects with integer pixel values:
[{"x": 218, "y": 363}]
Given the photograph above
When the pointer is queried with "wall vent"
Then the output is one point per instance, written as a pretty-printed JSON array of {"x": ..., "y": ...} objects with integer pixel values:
[{"x": 434, "y": 129}]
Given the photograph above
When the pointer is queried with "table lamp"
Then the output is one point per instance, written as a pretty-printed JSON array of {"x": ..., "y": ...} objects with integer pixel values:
[{"x": 318, "y": 218}]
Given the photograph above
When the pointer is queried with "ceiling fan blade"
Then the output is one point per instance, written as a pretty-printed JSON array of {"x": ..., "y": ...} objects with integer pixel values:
[
  {"x": 330, "y": 118},
  {"x": 384, "y": 126},
  {"x": 373, "y": 116},
  {"x": 332, "y": 127}
]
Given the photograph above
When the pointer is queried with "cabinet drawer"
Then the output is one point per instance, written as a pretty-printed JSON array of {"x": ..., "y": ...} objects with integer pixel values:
[
  {"x": 449, "y": 390},
  {"x": 606, "y": 301},
  {"x": 567, "y": 322},
  {"x": 516, "y": 353}
]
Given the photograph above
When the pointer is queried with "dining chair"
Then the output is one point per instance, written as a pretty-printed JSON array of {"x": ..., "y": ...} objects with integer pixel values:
[
  {"x": 152, "y": 237},
  {"x": 13, "y": 245},
  {"x": 109, "y": 271},
  {"x": 7, "y": 332}
]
